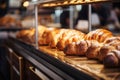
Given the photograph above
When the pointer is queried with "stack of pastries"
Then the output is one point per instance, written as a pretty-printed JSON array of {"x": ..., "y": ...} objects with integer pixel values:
[
  {"x": 9, "y": 21},
  {"x": 29, "y": 35},
  {"x": 98, "y": 44}
]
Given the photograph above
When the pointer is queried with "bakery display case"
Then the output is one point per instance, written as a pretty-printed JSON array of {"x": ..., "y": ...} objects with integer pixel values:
[
  {"x": 43, "y": 53},
  {"x": 95, "y": 54}
]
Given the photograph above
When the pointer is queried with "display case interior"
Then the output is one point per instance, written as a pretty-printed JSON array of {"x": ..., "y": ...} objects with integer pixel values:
[
  {"x": 75, "y": 54},
  {"x": 89, "y": 54}
]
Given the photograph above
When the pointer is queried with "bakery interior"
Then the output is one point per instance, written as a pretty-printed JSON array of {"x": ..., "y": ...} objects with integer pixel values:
[{"x": 59, "y": 39}]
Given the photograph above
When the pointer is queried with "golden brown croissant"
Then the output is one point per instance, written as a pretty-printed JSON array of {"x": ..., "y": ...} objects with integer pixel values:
[
  {"x": 9, "y": 21},
  {"x": 99, "y": 50},
  {"x": 112, "y": 59},
  {"x": 55, "y": 36},
  {"x": 29, "y": 35},
  {"x": 112, "y": 39},
  {"x": 93, "y": 49},
  {"x": 44, "y": 38},
  {"x": 90, "y": 48},
  {"x": 104, "y": 51},
  {"x": 77, "y": 48},
  {"x": 69, "y": 37},
  {"x": 41, "y": 29},
  {"x": 99, "y": 34},
  {"x": 26, "y": 35},
  {"x": 110, "y": 52}
]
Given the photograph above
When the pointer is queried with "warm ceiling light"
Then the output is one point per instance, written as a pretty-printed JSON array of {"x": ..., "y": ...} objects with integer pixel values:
[
  {"x": 45, "y": 5},
  {"x": 52, "y": 4},
  {"x": 26, "y": 4}
]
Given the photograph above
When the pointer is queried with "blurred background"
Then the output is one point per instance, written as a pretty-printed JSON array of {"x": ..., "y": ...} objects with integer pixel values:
[{"x": 105, "y": 15}]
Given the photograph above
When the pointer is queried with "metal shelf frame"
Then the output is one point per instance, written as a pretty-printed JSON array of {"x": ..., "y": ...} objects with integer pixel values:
[{"x": 36, "y": 26}]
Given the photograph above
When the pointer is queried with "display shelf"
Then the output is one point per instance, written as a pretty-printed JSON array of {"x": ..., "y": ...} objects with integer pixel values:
[
  {"x": 54, "y": 3},
  {"x": 34, "y": 2}
]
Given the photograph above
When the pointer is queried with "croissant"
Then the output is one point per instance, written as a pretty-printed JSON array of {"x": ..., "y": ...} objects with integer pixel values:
[
  {"x": 41, "y": 30},
  {"x": 90, "y": 48},
  {"x": 112, "y": 39},
  {"x": 112, "y": 59},
  {"x": 9, "y": 21},
  {"x": 44, "y": 38},
  {"x": 55, "y": 36},
  {"x": 29, "y": 35},
  {"x": 100, "y": 35},
  {"x": 26, "y": 35},
  {"x": 99, "y": 50},
  {"x": 69, "y": 37},
  {"x": 104, "y": 51},
  {"x": 77, "y": 48},
  {"x": 93, "y": 50}
]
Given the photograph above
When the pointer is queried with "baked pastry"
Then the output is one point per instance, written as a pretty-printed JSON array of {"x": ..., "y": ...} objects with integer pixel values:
[
  {"x": 89, "y": 48},
  {"x": 55, "y": 36},
  {"x": 9, "y": 21},
  {"x": 69, "y": 37},
  {"x": 99, "y": 34},
  {"x": 104, "y": 51},
  {"x": 29, "y": 35},
  {"x": 26, "y": 35},
  {"x": 77, "y": 48},
  {"x": 112, "y": 59},
  {"x": 110, "y": 53},
  {"x": 93, "y": 50},
  {"x": 41, "y": 30},
  {"x": 44, "y": 38}
]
